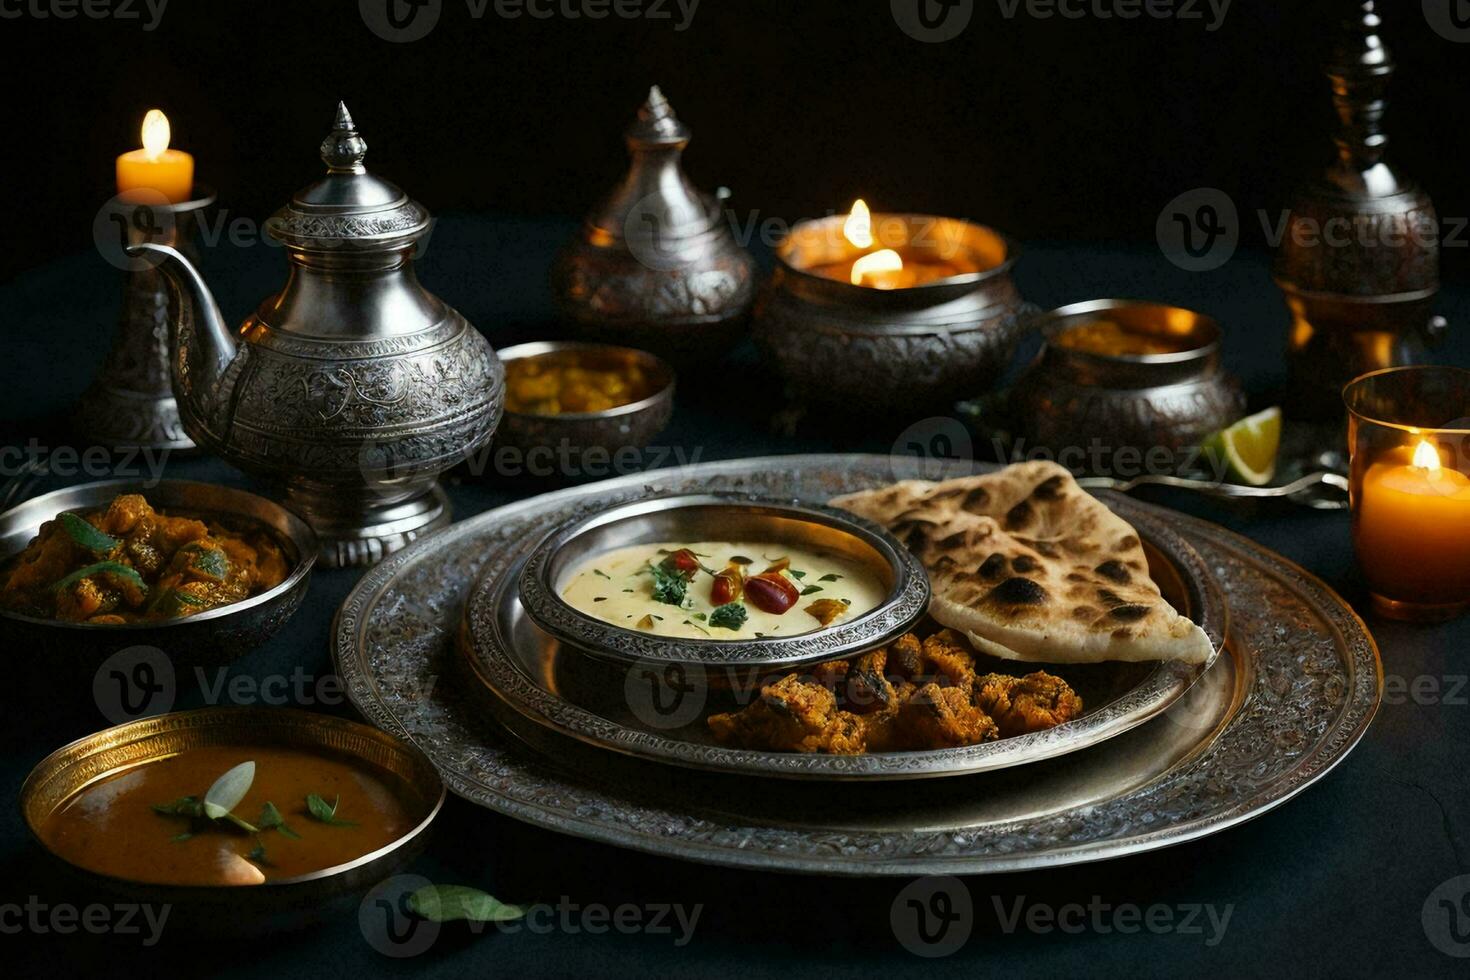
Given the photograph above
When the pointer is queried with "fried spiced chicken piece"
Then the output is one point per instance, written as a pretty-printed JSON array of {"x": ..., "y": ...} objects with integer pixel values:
[
  {"x": 948, "y": 661},
  {"x": 913, "y": 695},
  {"x": 795, "y": 714},
  {"x": 905, "y": 658},
  {"x": 941, "y": 717},
  {"x": 867, "y": 690},
  {"x": 1032, "y": 703}
]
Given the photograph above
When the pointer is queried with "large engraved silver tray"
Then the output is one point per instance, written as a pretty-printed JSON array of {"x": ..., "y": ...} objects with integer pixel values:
[
  {"x": 1296, "y": 692},
  {"x": 657, "y": 711}
]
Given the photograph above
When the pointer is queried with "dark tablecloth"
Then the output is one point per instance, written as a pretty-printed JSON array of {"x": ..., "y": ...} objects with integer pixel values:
[{"x": 1334, "y": 882}]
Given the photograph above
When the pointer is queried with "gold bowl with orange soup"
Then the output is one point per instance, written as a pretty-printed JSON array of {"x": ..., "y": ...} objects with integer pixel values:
[{"x": 321, "y": 809}]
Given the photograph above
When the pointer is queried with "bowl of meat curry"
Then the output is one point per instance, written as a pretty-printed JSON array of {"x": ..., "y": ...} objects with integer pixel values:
[{"x": 202, "y": 572}]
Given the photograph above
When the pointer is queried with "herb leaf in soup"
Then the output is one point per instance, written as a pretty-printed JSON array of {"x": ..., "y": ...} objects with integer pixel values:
[
  {"x": 669, "y": 586},
  {"x": 810, "y": 589},
  {"x": 270, "y": 819},
  {"x": 184, "y": 806},
  {"x": 446, "y": 903},
  {"x": 84, "y": 533},
  {"x": 730, "y": 616},
  {"x": 829, "y": 577},
  {"x": 326, "y": 812}
]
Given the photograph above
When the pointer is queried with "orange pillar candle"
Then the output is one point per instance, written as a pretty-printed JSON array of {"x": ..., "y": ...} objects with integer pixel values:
[
  {"x": 156, "y": 168},
  {"x": 1412, "y": 527}
]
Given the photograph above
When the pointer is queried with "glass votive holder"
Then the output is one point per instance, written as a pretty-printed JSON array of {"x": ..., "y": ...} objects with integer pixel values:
[{"x": 1409, "y": 436}]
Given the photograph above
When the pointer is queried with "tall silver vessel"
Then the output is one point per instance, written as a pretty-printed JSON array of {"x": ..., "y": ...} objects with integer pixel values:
[{"x": 353, "y": 387}]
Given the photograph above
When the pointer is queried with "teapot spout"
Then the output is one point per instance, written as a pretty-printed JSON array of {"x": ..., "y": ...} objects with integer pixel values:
[{"x": 200, "y": 346}]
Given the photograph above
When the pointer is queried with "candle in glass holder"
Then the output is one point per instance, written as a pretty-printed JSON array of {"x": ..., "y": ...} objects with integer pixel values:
[
  {"x": 155, "y": 168},
  {"x": 1409, "y": 436},
  {"x": 1413, "y": 527}
]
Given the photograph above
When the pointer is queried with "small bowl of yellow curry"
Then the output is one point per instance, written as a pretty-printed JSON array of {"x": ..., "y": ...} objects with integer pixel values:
[
  {"x": 238, "y": 819},
  {"x": 573, "y": 408},
  {"x": 202, "y": 572}
]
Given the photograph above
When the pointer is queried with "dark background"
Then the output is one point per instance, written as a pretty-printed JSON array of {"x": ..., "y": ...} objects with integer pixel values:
[
  {"x": 1048, "y": 129},
  {"x": 1069, "y": 135}
]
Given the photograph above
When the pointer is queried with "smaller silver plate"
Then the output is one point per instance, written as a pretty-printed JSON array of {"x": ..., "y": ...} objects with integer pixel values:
[
  {"x": 716, "y": 516},
  {"x": 656, "y": 710}
]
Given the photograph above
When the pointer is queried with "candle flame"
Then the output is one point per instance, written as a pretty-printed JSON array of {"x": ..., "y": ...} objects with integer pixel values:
[
  {"x": 858, "y": 228},
  {"x": 884, "y": 260},
  {"x": 1426, "y": 457},
  {"x": 156, "y": 133}
]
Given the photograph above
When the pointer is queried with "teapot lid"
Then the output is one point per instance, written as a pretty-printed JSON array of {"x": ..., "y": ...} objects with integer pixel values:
[{"x": 348, "y": 207}]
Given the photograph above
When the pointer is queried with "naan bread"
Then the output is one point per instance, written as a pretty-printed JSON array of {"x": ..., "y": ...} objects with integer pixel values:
[{"x": 1030, "y": 566}]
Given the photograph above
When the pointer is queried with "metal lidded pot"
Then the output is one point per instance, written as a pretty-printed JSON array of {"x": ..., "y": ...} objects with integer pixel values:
[
  {"x": 655, "y": 265},
  {"x": 1076, "y": 399},
  {"x": 353, "y": 386}
]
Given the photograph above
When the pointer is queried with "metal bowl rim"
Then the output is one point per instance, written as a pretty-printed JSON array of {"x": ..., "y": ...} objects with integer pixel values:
[
  {"x": 1048, "y": 324},
  {"x": 301, "y": 537},
  {"x": 910, "y": 589},
  {"x": 520, "y": 352},
  {"x": 999, "y": 270}
]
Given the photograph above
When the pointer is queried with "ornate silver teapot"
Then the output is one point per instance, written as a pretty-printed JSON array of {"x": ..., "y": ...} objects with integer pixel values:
[{"x": 354, "y": 387}]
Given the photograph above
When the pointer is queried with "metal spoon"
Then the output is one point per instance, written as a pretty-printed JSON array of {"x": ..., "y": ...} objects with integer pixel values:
[{"x": 1296, "y": 490}]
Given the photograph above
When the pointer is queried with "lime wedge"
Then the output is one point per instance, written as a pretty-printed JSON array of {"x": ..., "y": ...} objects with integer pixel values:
[{"x": 1249, "y": 447}]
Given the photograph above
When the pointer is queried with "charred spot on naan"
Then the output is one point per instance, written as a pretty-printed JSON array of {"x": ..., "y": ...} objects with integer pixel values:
[{"x": 1017, "y": 591}]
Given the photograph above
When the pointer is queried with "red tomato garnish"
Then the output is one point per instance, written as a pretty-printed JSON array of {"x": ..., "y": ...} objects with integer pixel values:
[
  {"x": 727, "y": 585},
  {"x": 683, "y": 561},
  {"x": 771, "y": 592}
]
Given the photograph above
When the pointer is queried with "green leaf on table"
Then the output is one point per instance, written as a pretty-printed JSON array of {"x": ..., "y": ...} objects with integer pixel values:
[
  {"x": 110, "y": 567},
  {"x": 85, "y": 534},
  {"x": 326, "y": 812},
  {"x": 447, "y": 903}
]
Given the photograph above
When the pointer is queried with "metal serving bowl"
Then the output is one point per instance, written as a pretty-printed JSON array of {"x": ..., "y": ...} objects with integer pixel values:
[
  {"x": 274, "y": 905},
  {"x": 626, "y": 427},
  {"x": 695, "y": 517},
  {"x": 1075, "y": 398},
  {"x": 860, "y": 349},
  {"x": 211, "y": 637}
]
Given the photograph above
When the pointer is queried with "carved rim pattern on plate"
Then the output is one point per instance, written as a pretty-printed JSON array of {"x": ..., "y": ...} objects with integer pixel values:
[{"x": 1314, "y": 689}]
